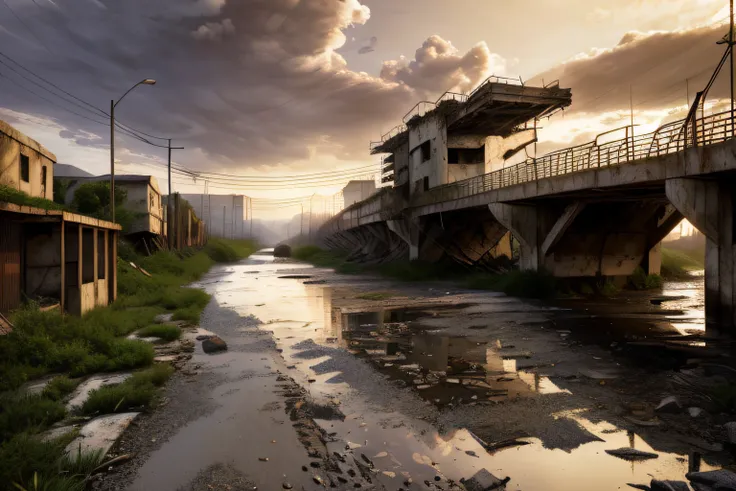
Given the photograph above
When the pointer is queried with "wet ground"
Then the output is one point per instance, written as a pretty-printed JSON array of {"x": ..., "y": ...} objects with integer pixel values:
[{"x": 371, "y": 384}]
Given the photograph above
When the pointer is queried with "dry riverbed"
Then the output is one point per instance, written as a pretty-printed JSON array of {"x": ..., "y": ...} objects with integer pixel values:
[{"x": 361, "y": 383}]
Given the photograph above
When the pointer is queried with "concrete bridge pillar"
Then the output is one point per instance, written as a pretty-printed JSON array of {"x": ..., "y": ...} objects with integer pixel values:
[
  {"x": 408, "y": 233},
  {"x": 709, "y": 206}
]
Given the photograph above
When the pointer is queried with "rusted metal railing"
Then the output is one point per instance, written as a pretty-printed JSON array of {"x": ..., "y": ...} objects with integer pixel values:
[{"x": 668, "y": 139}]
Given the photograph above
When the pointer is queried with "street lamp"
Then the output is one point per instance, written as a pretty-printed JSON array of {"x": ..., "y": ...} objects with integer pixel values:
[{"x": 148, "y": 81}]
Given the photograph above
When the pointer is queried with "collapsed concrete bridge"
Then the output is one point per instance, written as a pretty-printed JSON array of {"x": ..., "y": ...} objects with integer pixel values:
[{"x": 599, "y": 209}]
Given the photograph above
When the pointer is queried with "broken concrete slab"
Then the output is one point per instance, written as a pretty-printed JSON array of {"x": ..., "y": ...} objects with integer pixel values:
[
  {"x": 100, "y": 434},
  {"x": 95, "y": 382},
  {"x": 481, "y": 481},
  {"x": 55, "y": 433},
  {"x": 669, "y": 404},
  {"x": 162, "y": 318},
  {"x": 36, "y": 386},
  {"x": 599, "y": 374}
]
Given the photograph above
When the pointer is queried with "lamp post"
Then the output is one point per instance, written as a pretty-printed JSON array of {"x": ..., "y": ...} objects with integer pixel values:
[{"x": 113, "y": 104}]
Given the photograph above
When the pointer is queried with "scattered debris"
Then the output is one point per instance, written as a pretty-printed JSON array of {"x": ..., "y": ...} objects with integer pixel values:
[
  {"x": 694, "y": 411},
  {"x": 731, "y": 430},
  {"x": 720, "y": 479}
]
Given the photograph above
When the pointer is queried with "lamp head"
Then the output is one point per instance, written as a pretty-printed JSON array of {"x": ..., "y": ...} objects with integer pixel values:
[{"x": 149, "y": 81}]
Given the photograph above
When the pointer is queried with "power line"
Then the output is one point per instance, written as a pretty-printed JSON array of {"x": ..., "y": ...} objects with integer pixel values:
[{"x": 26, "y": 26}]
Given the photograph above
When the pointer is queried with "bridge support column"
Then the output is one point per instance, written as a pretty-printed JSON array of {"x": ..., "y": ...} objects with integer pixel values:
[
  {"x": 409, "y": 233},
  {"x": 537, "y": 228},
  {"x": 709, "y": 206}
]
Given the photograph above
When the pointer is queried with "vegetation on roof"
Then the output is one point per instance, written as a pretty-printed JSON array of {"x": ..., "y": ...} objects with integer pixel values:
[{"x": 10, "y": 195}]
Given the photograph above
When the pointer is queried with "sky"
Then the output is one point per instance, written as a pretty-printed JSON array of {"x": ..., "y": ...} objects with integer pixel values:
[{"x": 263, "y": 88}]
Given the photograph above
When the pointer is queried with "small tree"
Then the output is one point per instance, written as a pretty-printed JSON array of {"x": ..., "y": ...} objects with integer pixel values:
[{"x": 93, "y": 198}]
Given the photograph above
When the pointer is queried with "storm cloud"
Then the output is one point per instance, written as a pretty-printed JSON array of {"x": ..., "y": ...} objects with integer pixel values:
[{"x": 245, "y": 84}]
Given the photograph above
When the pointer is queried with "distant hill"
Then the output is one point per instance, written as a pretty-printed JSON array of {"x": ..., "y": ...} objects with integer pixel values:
[{"x": 66, "y": 170}]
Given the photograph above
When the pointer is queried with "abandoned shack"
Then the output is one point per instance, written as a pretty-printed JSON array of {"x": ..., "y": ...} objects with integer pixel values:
[{"x": 56, "y": 257}]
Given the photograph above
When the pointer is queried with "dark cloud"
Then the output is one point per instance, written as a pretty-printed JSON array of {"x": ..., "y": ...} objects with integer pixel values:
[
  {"x": 369, "y": 47},
  {"x": 250, "y": 82},
  {"x": 657, "y": 66}
]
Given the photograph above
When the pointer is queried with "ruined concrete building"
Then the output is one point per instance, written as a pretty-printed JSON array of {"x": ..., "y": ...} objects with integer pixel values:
[{"x": 51, "y": 256}]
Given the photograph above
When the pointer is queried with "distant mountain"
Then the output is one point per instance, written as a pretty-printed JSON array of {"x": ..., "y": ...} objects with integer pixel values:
[{"x": 66, "y": 170}]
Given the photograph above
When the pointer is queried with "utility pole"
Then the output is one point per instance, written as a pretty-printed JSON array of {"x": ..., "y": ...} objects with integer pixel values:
[
  {"x": 310, "y": 217},
  {"x": 251, "y": 217},
  {"x": 170, "y": 219},
  {"x": 730, "y": 47},
  {"x": 687, "y": 92},
  {"x": 224, "y": 208},
  {"x": 112, "y": 161},
  {"x": 301, "y": 222}
]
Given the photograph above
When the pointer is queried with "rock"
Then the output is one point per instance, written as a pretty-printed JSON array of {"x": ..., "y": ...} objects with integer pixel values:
[
  {"x": 731, "y": 430},
  {"x": 305, "y": 468},
  {"x": 700, "y": 443},
  {"x": 453, "y": 381},
  {"x": 282, "y": 250},
  {"x": 631, "y": 454},
  {"x": 317, "y": 479},
  {"x": 162, "y": 318},
  {"x": 286, "y": 485},
  {"x": 669, "y": 404},
  {"x": 721, "y": 479},
  {"x": 314, "y": 464},
  {"x": 202, "y": 337},
  {"x": 214, "y": 345},
  {"x": 263, "y": 459},
  {"x": 482, "y": 480},
  {"x": 694, "y": 411},
  {"x": 669, "y": 486}
]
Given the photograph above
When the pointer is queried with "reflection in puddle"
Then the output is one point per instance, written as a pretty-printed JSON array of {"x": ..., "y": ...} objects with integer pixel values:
[{"x": 449, "y": 373}]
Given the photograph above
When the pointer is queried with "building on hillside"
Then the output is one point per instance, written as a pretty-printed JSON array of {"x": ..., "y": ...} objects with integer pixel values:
[
  {"x": 356, "y": 191},
  {"x": 224, "y": 214},
  {"x": 56, "y": 258},
  {"x": 143, "y": 199},
  {"x": 66, "y": 171},
  {"x": 25, "y": 164}
]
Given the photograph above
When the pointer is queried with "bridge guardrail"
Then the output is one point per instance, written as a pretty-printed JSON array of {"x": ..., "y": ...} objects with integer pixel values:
[{"x": 667, "y": 139}]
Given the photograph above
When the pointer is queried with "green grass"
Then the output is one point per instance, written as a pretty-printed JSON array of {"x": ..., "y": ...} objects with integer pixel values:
[
  {"x": 166, "y": 332},
  {"x": 527, "y": 284},
  {"x": 10, "y": 195},
  {"x": 678, "y": 264},
  {"x": 642, "y": 281},
  {"x": 60, "y": 387},
  {"x": 46, "y": 342},
  {"x": 137, "y": 391},
  {"x": 375, "y": 296}
]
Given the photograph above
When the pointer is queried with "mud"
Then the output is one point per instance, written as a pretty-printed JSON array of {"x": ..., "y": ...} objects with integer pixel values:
[{"x": 427, "y": 388}]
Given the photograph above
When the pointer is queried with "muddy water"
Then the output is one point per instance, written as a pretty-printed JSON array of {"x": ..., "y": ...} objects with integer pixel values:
[{"x": 419, "y": 380}]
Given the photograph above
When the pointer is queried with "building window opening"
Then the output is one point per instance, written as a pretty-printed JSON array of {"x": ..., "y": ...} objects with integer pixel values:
[
  {"x": 43, "y": 180},
  {"x": 25, "y": 168},
  {"x": 468, "y": 156},
  {"x": 426, "y": 149},
  {"x": 426, "y": 183},
  {"x": 101, "y": 251}
]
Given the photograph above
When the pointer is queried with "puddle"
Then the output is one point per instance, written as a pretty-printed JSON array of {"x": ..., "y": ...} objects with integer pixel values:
[{"x": 391, "y": 371}]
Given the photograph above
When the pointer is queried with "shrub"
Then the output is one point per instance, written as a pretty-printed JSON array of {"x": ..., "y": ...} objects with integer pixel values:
[
  {"x": 167, "y": 332},
  {"x": 526, "y": 284},
  {"x": 10, "y": 195},
  {"x": 188, "y": 314},
  {"x": 24, "y": 455},
  {"x": 139, "y": 390},
  {"x": 23, "y": 412},
  {"x": 60, "y": 387},
  {"x": 642, "y": 281},
  {"x": 305, "y": 253}
]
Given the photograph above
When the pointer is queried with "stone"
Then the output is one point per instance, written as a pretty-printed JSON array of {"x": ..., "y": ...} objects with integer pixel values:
[
  {"x": 669, "y": 404},
  {"x": 286, "y": 485},
  {"x": 731, "y": 431},
  {"x": 214, "y": 344},
  {"x": 282, "y": 250},
  {"x": 721, "y": 479},
  {"x": 163, "y": 318},
  {"x": 631, "y": 454},
  {"x": 669, "y": 486},
  {"x": 202, "y": 337},
  {"x": 481, "y": 481},
  {"x": 694, "y": 411}
]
